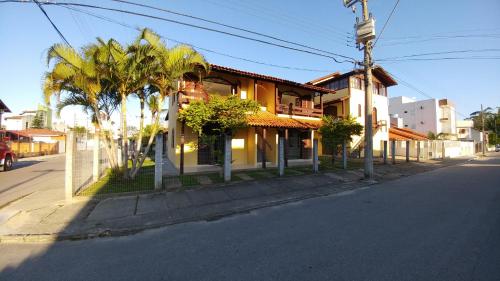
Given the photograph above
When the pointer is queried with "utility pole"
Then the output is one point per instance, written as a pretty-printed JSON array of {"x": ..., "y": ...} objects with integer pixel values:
[
  {"x": 484, "y": 136},
  {"x": 365, "y": 33}
]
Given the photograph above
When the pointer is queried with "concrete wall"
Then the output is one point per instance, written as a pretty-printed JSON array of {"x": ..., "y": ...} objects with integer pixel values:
[{"x": 421, "y": 116}]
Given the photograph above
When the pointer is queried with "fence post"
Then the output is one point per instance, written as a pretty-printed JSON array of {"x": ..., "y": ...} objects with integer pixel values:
[
  {"x": 95, "y": 162},
  {"x": 385, "y": 152},
  {"x": 159, "y": 162},
  {"x": 281, "y": 155},
  {"x": 418, "y": 151},
  {"x": 227, "y": 157},
  {"x": 344, "y": 154},
  {"x": 393, "y": 146},
  {"x": 68, "y": 171},
  {"x": 315, "y": 156},
  {"x": 443, "y": 152},
  {"x": 407, "y": 151}
]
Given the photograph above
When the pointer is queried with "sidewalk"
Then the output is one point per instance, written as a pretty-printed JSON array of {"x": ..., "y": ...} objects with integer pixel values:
[{"x": 33, "y": 219}]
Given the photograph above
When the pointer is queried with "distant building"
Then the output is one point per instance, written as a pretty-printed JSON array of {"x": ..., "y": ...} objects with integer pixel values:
[
  {"x": 432, "y": 115},
  {"x": 24, "y": 120},
  {"x": 3, "y": 109}
]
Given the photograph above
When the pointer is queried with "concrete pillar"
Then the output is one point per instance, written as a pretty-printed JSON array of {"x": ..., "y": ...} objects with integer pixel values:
[
  {"x": 227, "y": 157},
  {"x": 69, "y": 165},
  {"x": 418, "y": 151},
  {"x": 443, "y": 151},
  {"x": 393, "y": 147},
  {"x": 281, "y": 156},
  {"x": 263, "y": 156},
  {"x": 315, "y": 156},
  {"x": 159, "y": 162},
  {"x": 344, "y": 154},
  {"x": 385, "y": 152},
  {"x": 407, "y": 151},
  {"x": 96, "y": 156}
]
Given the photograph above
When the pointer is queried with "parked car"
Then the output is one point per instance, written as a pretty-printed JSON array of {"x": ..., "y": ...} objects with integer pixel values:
[
  {"x": 497, "y": 148},
  {"x": 7, "y": 156}
]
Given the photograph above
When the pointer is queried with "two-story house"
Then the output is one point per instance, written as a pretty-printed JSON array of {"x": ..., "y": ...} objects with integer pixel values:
[
  {"x": 289, "y": 108},
  {"x": 350, "y": 100}
]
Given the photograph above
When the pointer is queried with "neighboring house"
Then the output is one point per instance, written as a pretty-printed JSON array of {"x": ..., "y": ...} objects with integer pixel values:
[
  {"x": 287, "y": 107},
  {"x": 350, "y": 100},
  {"x": 432, "y": 115},
  {"x": 24, "y": 120}
]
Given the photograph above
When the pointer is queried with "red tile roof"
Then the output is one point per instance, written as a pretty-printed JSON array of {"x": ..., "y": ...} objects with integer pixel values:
[
  {"x": 405, "y": 134},
  {"x": 269, "y": 78},
  {"x": 37, "y": 132},
  {"x": 267, "y": 119}
]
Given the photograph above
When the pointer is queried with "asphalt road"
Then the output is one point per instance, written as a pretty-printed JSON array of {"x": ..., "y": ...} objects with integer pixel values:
[
  {"x": 29, "y": 176},
  {"x": 441, "y": 225}
]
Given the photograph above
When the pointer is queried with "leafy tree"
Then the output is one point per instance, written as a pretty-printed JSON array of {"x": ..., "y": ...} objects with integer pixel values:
[
  {"x": 220, "y": 114},
  {"x": 80, "y": 130},
  {"x": 493, "y": 139},
  {"x": 491, "y": 119},
  {"x": 335, "y": 131},
  {"x": 431, "y": 136},
  {"x": 37, "y": 122}
]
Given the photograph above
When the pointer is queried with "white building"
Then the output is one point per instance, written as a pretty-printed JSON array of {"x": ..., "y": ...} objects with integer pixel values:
[
  {"x": 349, "y": 99},
  {"x": 432, "y": 115},
  {"x": 24, "y": 120}
]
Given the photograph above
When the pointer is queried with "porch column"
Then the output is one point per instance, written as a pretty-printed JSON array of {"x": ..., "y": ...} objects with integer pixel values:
[
  {"x": 407, "y": 151},
  {"x": 263, "y": 156}
]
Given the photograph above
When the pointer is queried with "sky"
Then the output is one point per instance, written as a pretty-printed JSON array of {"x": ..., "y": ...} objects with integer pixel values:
[{"x": 416, "y": 27}]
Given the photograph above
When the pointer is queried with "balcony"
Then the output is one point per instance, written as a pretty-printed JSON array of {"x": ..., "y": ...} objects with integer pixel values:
[
  {"x": 191, "y": 91},
  {"x": 300, "y": 111}
]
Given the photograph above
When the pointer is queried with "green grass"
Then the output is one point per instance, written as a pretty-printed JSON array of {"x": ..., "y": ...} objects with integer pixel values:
[
  {"x": 116, "y": 184},
  {"x": 189, "y": 180},
  {"x": 325, "y": 163}
]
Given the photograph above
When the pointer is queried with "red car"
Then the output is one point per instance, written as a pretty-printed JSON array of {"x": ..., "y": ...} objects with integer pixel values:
[{"x": 7, "y": 156}]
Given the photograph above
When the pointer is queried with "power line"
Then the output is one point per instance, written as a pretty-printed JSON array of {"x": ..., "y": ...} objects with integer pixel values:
[
  {"x": 441, "y": 53},
  {"x": 52, "y": 23},
  {"x": 332, "y": 56},
  {"x": 220, "y": 24},
  {"x": 443, "y": 58},
  {"x": 200, "y": 48},
  {"x": 436, "y": 38},
  {"x": 386, "y": 22}
]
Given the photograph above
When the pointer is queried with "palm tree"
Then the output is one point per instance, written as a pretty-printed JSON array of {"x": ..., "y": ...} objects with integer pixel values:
[
  {"x": 77, "y": 75},
  {"x": 168, "y": 66}
]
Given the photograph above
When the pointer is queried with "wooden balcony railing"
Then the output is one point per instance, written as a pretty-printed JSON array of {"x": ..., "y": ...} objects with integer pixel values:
[
  {"x": 301, "y": 111},
  {"x": 191, "y": 91}
]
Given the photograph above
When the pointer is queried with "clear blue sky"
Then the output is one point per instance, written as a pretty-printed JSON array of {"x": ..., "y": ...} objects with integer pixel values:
[{"x": 26, "y": 34}]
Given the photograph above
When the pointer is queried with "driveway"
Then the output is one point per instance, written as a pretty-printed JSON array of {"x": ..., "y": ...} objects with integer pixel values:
[
  {"x": 441, "y": 225},
  {"x": 30, "y": 175}
]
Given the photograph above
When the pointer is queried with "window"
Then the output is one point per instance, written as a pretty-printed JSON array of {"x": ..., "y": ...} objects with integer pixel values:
[
  {"x": 339, "y": 84},
  {"x": 406, "y": 111},
  {"x": 406, "y": 126},
  {"x": 356, "y": 83},
  {"x": 359, "y": 110},
  {"x": 172, "y": 139}
]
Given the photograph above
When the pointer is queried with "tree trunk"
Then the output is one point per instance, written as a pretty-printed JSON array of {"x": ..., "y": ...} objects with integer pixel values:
[
  {"x": 137, "y": 151},
  {"x": 124, "y": 136}
]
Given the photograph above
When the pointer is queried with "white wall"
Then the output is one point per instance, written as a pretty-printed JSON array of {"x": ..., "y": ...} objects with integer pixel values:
[
  {"x": 382, "y": 104},
  {"x": 421, "y": 116}
]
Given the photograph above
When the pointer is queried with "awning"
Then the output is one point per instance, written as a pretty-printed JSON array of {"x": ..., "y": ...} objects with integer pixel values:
[{"x": 269, "y": 120}]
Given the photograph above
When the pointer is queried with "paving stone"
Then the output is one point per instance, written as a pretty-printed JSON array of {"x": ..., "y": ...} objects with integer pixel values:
[
  {"x": 204, "y": 180},
  {"x": 335, "y": 176},
  {"x": 151, "y": 203},
  {"x": 114, "y": 208},
  {"x": 69, "y": 213},
  {"x": 177, "y": 200},
  {"x": 242, "y": 192},
  {"x": 172, "y": 183},
  {"x": 203, "y": 197}
]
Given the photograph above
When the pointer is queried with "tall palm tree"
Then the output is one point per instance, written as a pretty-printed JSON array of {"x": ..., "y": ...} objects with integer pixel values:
[
  {"x": 77, "y": 75},
  {"x": 169, "y": 65}
]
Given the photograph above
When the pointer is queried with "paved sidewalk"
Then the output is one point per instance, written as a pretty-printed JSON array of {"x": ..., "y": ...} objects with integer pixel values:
[{"x": 31, "y": 219}]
